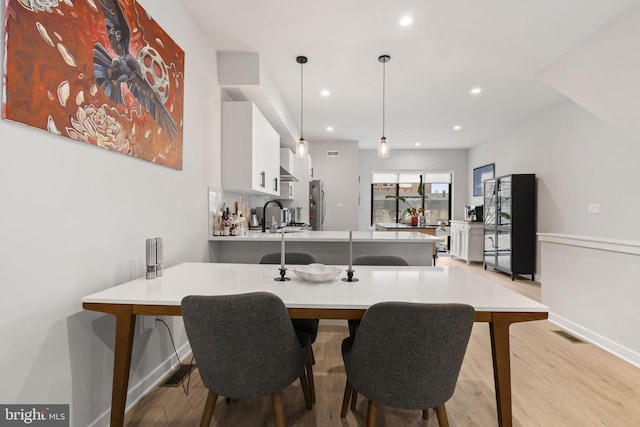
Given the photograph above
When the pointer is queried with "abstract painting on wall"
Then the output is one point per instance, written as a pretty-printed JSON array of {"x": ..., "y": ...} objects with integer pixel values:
[{"x": 97, "y": 71}]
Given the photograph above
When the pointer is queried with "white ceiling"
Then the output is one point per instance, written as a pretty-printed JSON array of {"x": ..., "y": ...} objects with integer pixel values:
[{"x": 452, "y": 46}]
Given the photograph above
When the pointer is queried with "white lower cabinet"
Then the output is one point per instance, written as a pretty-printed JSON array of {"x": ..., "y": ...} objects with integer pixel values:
[{"x": 467, "y": 240}]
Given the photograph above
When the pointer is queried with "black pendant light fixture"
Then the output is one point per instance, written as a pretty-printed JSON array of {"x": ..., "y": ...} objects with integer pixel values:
[
  {"x": 383, "y": 145},
  {"x": 302, "y": 146}
]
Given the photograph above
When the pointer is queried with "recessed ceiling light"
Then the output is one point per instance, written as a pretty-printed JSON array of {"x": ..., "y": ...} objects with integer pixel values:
[
  {"x": 457, "y": 127},
  {"x": 476, "y": 91},
  {"x": 417, "y": 144},
  {"x": 406, "y": 21},
  {"x": 330, "y": 128},
  {"x": 325, "y": 92}
]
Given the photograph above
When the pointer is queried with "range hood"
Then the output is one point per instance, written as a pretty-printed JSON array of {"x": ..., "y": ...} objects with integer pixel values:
[
  {"x": 285, "y": 176},
  {"x": 287, "y": 165}
]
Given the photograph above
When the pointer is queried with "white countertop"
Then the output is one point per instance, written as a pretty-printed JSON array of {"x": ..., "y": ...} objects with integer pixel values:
[
  {"x": 333, "y": 236},
  {"x": 403, "y": 226},
  {"x": 376, "y": 284}
]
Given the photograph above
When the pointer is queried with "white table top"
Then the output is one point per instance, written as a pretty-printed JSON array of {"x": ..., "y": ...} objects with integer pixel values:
[
  {"x": 334, "y": 236},
  {"x": 376, "y": 284}
]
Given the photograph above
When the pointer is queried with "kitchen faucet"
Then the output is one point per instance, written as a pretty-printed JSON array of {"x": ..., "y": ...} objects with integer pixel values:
[{"x": 264, "y": 214}]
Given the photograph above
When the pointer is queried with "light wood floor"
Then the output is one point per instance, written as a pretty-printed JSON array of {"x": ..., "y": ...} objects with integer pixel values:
[{"x": 555, "y": 382}]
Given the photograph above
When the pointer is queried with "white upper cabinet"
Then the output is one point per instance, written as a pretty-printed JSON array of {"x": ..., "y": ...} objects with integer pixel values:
[
  {"x": 250, "y": 150},
  {"x": 287, "y": 190}
]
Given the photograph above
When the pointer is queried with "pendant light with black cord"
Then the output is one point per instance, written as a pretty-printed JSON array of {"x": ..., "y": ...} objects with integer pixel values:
[
  {"x": 383, "y": 145},
  {"x": 302, "y": 146}
]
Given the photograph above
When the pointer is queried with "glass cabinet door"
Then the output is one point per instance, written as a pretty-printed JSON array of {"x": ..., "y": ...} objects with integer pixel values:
[
  {"x": 490, "y": 247},
  {"x": 490, "y": 202},
  {"x": 503, "y": 248},
  {"x": 504, "y": 201}
]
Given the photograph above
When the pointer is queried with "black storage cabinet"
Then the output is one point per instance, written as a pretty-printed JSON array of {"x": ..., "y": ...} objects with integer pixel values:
[{"x": 510, "y": 224}]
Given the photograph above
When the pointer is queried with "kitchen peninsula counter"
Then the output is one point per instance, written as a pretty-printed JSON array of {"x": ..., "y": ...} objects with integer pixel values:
[
  {"x": 329, "y": 247},
  {"x": 392, "y": 226}
]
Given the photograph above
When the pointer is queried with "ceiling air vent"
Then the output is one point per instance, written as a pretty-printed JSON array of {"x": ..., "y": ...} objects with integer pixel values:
[{"x": 333, "y": 154}]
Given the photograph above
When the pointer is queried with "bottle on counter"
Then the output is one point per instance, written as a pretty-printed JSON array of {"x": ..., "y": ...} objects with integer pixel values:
[
  {"x": 241, "y": 230},
  {"x": 217, "y": 224},
  {"x": 226, "y": 225},
  {"x": 234, "y": 225},
  {"x": 274, "y": 225}
]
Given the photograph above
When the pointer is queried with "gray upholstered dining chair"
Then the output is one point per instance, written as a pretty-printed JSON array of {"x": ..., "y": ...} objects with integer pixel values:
[
  {"x": 245, "y": 346},
  {"x": 408, "y": 356},
  {"x": 293, "y": 258},
  {"x": 380, "y": 260},
  {"x": 310, "y": 326},
  {"x": 391, "y": 260}
]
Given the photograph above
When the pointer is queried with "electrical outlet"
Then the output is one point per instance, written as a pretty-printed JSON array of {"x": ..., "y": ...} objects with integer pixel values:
[
  {"x": 147, "y": 323},
  {"x": 593, "y": 208}
]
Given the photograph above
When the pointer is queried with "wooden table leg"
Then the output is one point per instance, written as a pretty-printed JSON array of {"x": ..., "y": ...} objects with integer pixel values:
[
  {"x": 125, "y": 324},
  {"x": 499, "y": 328}
]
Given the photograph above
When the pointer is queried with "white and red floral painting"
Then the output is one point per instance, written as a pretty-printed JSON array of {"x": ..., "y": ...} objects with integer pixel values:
[{"x": 101, "y": 72}]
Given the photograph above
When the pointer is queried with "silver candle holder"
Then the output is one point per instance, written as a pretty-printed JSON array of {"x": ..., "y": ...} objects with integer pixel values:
[
  {"x": 154, "y": 258},
  {"x": 151, "y": 258},
  {"x": 159, "y": 257}
]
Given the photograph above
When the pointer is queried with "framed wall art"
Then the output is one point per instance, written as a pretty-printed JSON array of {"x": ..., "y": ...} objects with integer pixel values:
[
  {"x": 480, "y": 175},
  {"x": 101, "y": 72}
]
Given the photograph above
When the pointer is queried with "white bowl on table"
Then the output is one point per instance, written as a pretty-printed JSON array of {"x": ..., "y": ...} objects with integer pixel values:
[{"x": 316, "y": 273}]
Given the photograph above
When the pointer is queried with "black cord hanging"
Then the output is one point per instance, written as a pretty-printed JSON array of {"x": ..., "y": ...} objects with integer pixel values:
[
  {"x": 301, "y": 60},
  {"x": 384, "y": 59}
]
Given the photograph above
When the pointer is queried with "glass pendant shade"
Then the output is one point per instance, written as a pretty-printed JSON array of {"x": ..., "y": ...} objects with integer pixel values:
[
  {"x": 383, "y": 148},
  {"x": 302, "y": 148}
]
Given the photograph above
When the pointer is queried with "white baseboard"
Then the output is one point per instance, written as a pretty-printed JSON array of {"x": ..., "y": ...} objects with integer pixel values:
[
  {"x": 596, "y": 339},
  {"x": 137, "y": 391}
]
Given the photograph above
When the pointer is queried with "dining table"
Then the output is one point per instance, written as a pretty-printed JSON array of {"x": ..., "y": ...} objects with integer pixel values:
[{"x": 336, "y": 299}]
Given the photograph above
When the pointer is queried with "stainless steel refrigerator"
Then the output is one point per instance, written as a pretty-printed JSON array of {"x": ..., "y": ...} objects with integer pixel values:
[{"x": 317, "y": 205}]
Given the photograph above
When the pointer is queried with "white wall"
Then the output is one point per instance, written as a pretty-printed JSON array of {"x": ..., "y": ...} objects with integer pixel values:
[
  {"x": 578, "y": 160},
  {"x": 73, "y": 221},
  {"x": 340, "y": 176},
  {"x": 454, "y": 161},
  {"x": 583, "y": 151},
  {"x": 582, "y": 297},
  {"x": 601, "y": 74}
]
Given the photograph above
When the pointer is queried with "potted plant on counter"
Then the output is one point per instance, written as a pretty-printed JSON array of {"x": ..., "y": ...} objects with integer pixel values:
[{"x": 413, "y": 212}]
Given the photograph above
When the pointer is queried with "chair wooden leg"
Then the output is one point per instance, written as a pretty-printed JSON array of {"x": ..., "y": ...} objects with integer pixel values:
[
  {"x": 305, "y": 390},
  {"x": 278, "y": 410},
  {"x": 354, "y": 399},
  {"x": 372, "y": 414},
  {"x": 313, "y": 357},
  {"x": 345, "y": 399},
  {"x": 441, "y": 412},
  {"x": 425, "y": 414},
  {"x": 312, "y": 384},
  {"x": 208, "y": 409}
]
